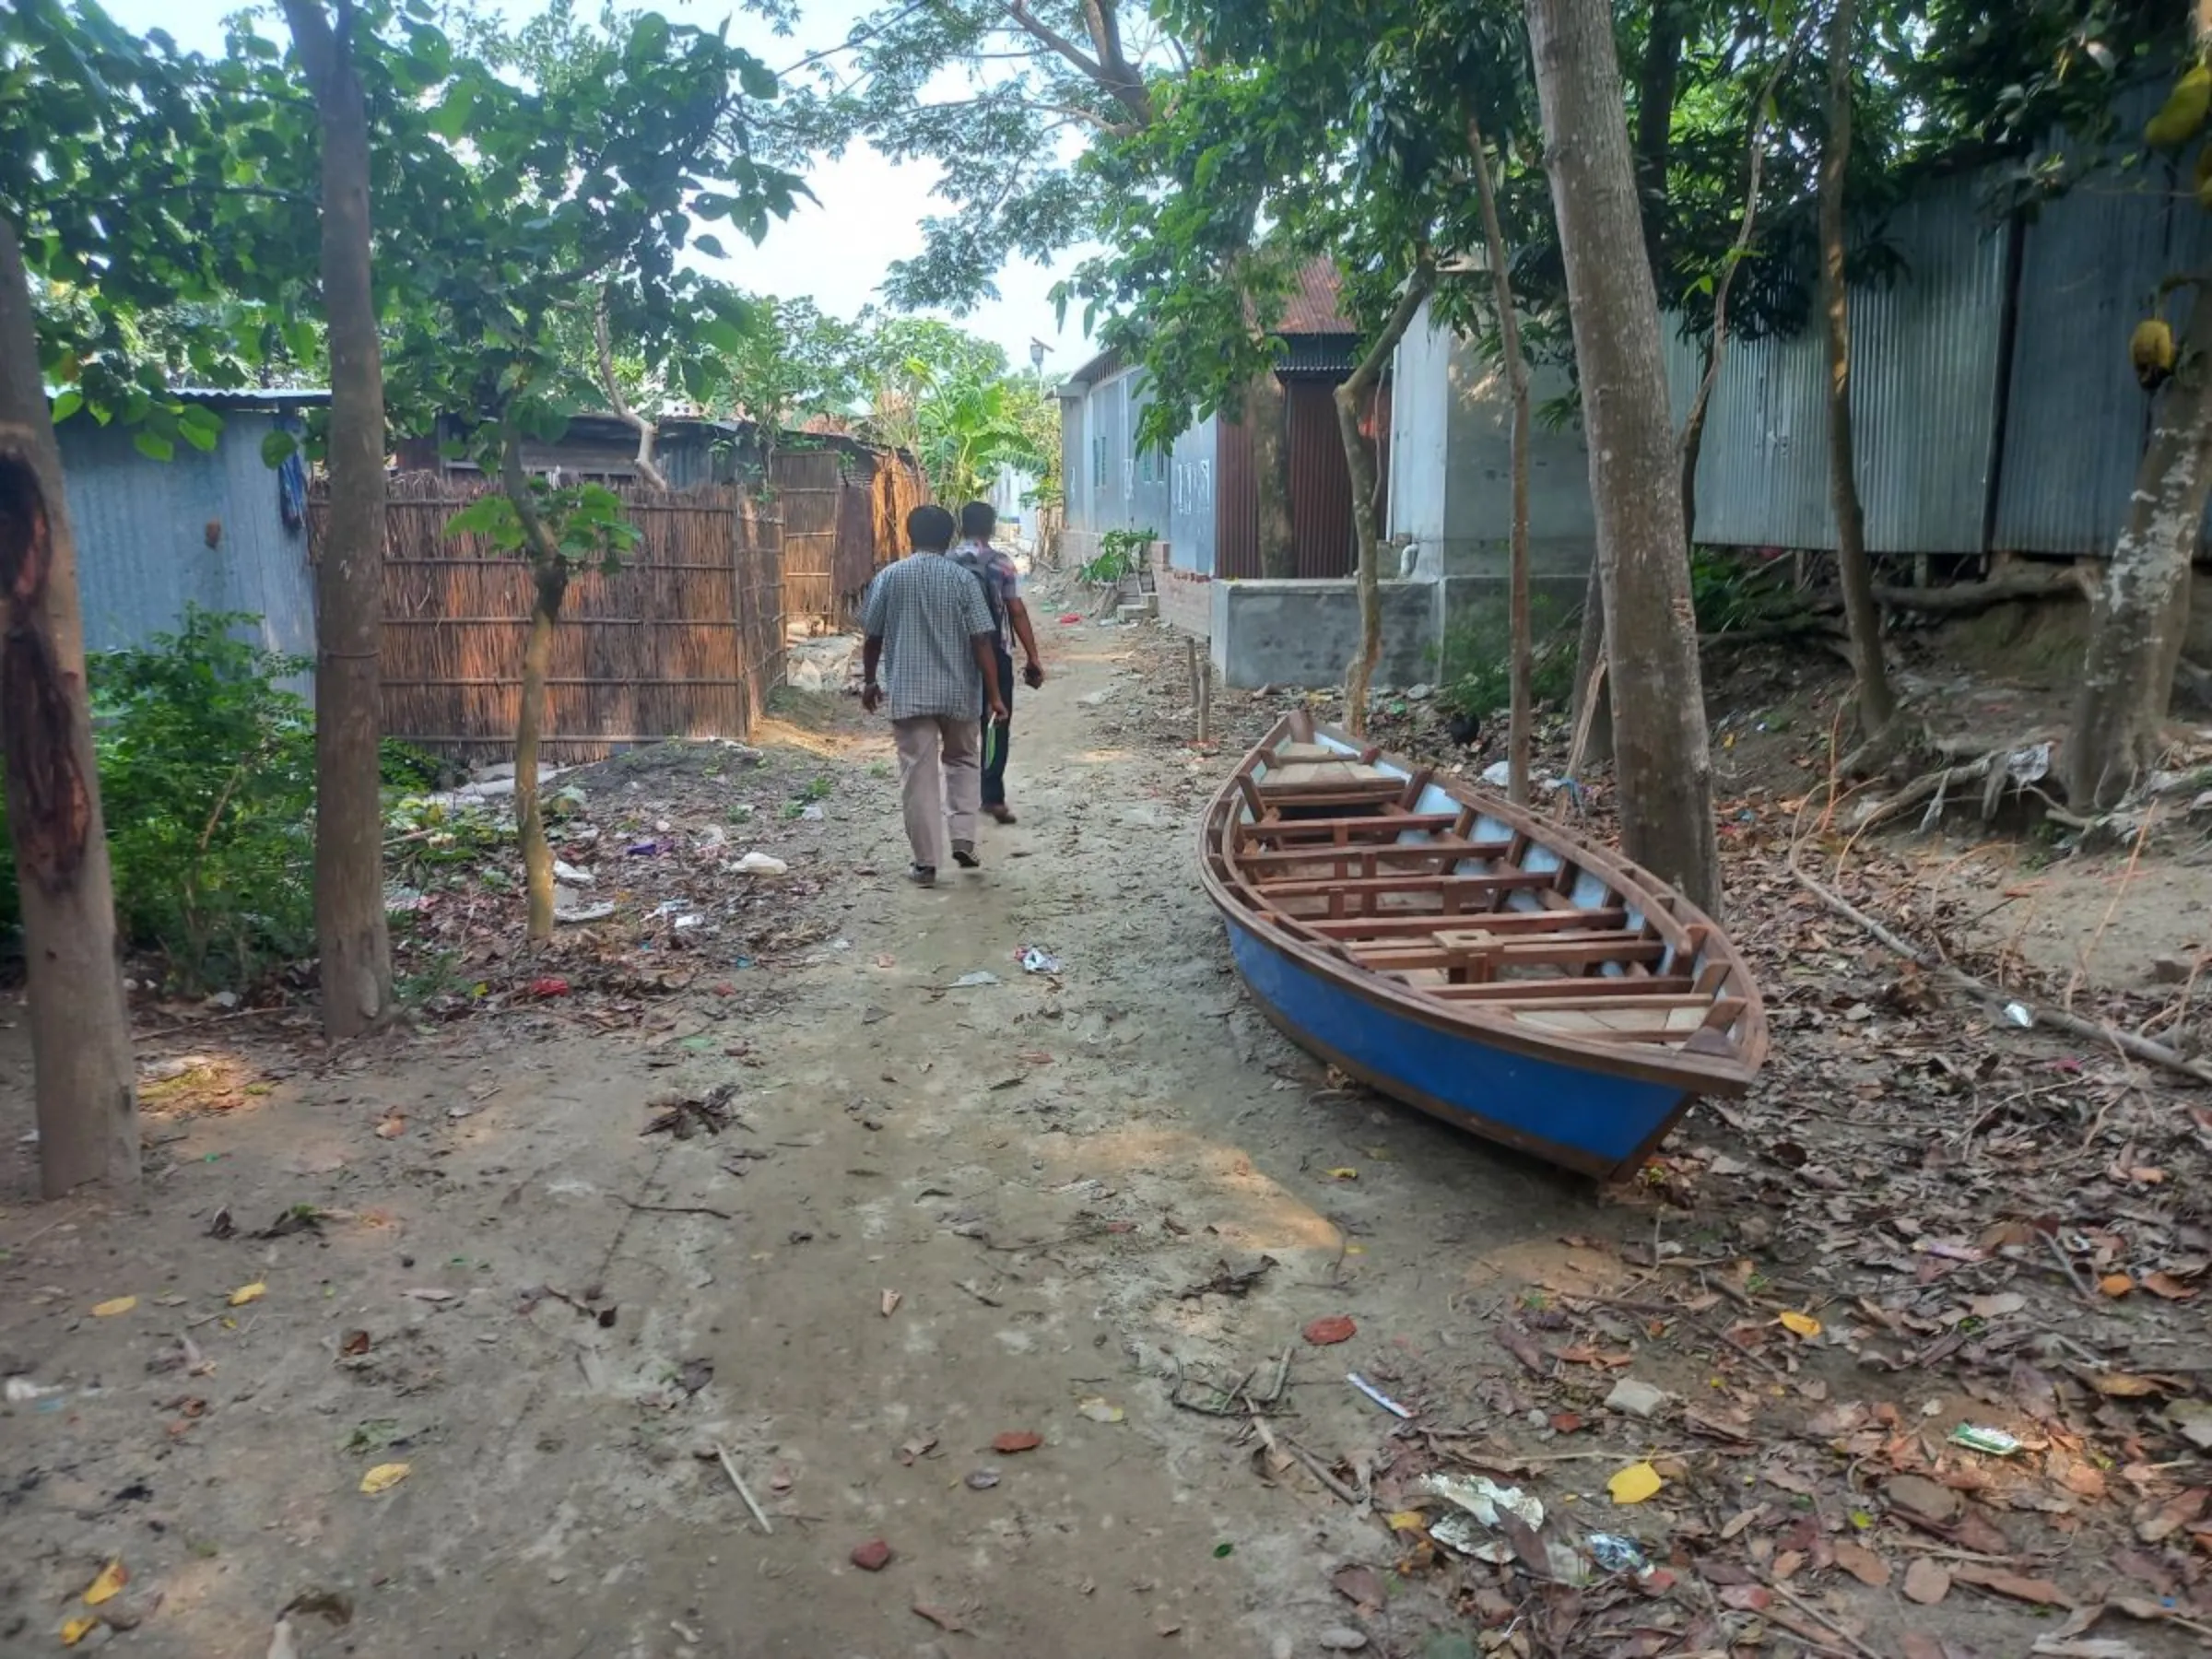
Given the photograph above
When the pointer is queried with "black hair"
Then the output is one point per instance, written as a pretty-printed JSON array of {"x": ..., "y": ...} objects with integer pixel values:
[
  {"x": 929, "y": 529},
  {"x": 978, "y": 519}
]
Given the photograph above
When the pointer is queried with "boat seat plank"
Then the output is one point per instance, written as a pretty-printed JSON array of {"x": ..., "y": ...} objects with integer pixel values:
[
  {"x": 1592, "y": 986},
  {"x": 1382, "y": 929},
  {"x": 1441, "y": 885},
  {"x": 1327, "y": 855},
  {"x": 1381, "y": 823}
]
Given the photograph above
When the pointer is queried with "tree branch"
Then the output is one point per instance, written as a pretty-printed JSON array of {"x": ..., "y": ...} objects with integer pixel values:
[
  {"x": 1114, "y": 73},
  {"x": 646, "y": 430}
]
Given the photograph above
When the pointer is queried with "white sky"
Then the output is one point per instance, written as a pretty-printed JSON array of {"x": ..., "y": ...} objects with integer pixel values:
[{"x": 869, "y": 211}]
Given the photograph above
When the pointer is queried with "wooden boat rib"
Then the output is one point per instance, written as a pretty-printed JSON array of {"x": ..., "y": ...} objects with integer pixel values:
[{"x": 1471, "y": 958}]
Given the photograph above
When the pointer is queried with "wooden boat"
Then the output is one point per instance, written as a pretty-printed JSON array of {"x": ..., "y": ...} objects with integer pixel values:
[{"x": 1471, "y": 958}]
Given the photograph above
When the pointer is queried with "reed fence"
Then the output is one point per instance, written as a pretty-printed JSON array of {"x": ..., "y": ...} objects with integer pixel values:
[
  {"x": 685, "y": 640},
  {"x": 845, "y": 517}
]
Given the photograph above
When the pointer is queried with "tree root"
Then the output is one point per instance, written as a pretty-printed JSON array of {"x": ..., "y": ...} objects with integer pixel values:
[
  {"x": 1989, "y": 774},
  {"x": 2128, "y": 1042}
]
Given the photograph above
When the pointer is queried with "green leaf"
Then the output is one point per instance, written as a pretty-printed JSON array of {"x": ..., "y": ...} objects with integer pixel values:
[
  {"x": 277, "y": 446},
  {"x": 708, "y": 246},
  {"x": 67, "y": 405},
  {"x": 152, "y": 445}
]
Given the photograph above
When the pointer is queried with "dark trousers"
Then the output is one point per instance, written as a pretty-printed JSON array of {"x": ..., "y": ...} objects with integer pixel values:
[{"x": 998, "y": 734}]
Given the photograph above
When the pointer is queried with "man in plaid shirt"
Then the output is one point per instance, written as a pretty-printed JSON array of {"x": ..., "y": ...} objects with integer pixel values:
[{"x": 929, "y": 627}]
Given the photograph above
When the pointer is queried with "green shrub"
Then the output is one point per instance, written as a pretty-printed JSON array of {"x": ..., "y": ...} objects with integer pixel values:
[
  {"x": 206, "y": 777},
  {"x": 1477, "y": 663}
]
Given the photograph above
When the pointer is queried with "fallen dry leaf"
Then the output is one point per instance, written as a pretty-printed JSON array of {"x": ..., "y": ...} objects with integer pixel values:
[
  {"x": 108, "y": 1585},
  {"x": 1802, "y": 1324},
  {"x": 2125, "y": 1385},
  {"x": 1362, "y": 1586},
  {"x": 121, "y": 1304},
  {"x": 1099, "y": 1410},
  {"x": 392, "y": 1126},
  {"x": 1926, "y": 1582},
  {"x": 2167, "y": 1286},
  {"x": 353, "y": 1344},
  {"x": 2173, "y": 1515},
  {"x": 945, "y": 1621},
  {"x": 384, "y": 1477},
  {"x": 1746, "y": 1598},
  {"x": 1634, "y": 1484},
  {"x": 891, "y": 1298},
  {"x": 1344, "y": 1174},
  {"x": 1335, "y": 1328},
  {"x": 2115, "y": 1284},
  {"x": 1018, "y": 1439},
  {"x": 76, "y": 1629},
  {"x": 248, "y": 1293},
  {"x": 1863, "y": 1564}
]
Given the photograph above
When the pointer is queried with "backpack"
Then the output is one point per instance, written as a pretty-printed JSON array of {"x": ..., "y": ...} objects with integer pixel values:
[{"x": 965, "y": 555}]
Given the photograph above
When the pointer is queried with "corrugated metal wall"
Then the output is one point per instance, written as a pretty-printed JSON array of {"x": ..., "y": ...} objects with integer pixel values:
[
  {"x": 1925, "y": 351},
  {"x": 142, "y": 530},
  {"x": 1193, "y": 524}
]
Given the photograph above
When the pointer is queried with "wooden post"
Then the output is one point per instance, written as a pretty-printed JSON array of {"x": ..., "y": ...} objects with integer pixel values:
[{"x": 1205, "y": 698}]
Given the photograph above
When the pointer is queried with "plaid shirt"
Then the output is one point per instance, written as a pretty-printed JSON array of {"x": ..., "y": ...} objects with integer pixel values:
[{"x": 927, "y": 610}]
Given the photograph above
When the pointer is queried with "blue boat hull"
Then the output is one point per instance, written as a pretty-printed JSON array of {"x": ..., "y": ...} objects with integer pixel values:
[{"x": 1602, "y": 1124}]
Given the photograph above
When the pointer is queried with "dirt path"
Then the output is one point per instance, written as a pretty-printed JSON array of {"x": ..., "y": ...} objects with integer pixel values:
[{"x": 940, "y": 1214}]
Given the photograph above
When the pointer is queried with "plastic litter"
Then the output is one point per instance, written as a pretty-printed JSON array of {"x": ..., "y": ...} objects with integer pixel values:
[
  {"x": 1613, "y": 1553},
  {"x": 1497, "y": 774},
  {"x": 1377, "y": 1396},
  {"x": 582, "y": 913},
  {"x": 981, "y": 976},
  {"x": 1977, "y": 1437},
  {"x": 644, "y": 849},
  {"x": 760, "y": 864},
  {"x": 2021, "y": 1014},
  {"x": 1034, "y": 960},
  {"x": 1479, "y": 1501},
  {"x": 567, "y": 874}
]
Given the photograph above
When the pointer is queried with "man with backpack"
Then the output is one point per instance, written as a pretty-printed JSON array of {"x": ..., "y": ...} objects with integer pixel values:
[{"x": 1002, "y": 588}]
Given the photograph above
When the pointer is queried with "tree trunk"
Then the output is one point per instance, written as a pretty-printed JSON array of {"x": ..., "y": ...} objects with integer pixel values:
[
  {"x": 351, "y": 933},
  {"x": 1656, "y": 81},
  {"x": 1521, "y": 715},
  {"x": 550, "y": 585},
  {"x": 1665, "y": 760},
  {"x": 80, "y": 1033},
  {"x": 1267, "y": 420},
  {"x": 1352, "y": 398},
  {"x": 2143, "y": 611},
  {"x": 1876, "y": 705}
]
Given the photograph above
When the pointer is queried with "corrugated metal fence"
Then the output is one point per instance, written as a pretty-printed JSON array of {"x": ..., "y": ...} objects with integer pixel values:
[
  {"x": 1995, "y": 405},
  {"x": 685, "y": 641}
]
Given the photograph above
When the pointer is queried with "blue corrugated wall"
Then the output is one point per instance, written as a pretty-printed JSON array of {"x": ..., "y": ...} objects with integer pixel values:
[{"x": 142, "y": 532}]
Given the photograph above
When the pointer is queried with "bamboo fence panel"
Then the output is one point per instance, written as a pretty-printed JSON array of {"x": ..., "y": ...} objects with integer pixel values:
[
  {"x": 685, "y": 641},
  {"x": 844, "y": 518}
]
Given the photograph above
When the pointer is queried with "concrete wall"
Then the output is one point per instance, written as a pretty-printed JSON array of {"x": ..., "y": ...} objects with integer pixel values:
[
  {"x": 1451, "y": 465},
  {"x": 1303, "y": 633}
]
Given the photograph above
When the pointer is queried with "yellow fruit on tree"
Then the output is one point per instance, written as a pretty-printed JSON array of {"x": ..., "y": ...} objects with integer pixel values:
[
  {"x": 2183, "y": 112},
  {"x": 2151, "y": 350}
]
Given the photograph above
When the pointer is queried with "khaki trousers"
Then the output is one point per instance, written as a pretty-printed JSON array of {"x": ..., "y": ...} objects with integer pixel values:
[{"x": 940, "y": 782}]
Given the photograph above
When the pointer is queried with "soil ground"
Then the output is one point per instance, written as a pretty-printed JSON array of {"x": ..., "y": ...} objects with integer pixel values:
[{"x": 1096, "y": 1207}]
